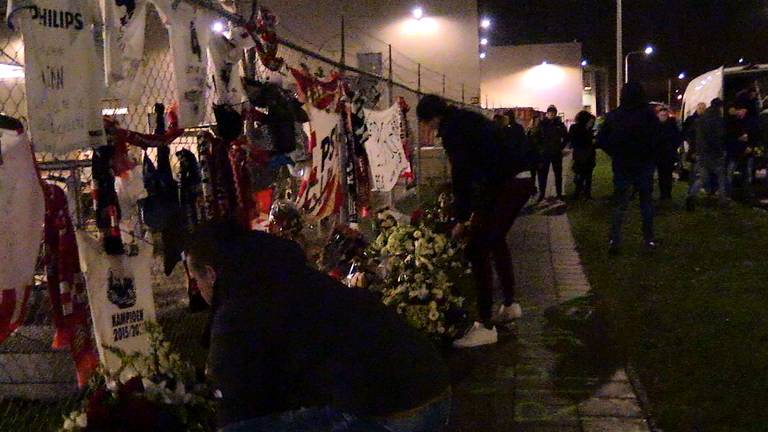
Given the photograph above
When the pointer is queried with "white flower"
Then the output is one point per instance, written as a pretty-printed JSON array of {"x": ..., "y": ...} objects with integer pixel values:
[
  {"x": 417, "y": 234},
  {"x": 434, "y": 315},
  {"x": 127, "y": 374},
  {"x": 112, "y": 386},
  {"x": 438, "y": 293},
  {"x": 217, "y": 394},
  {"x": 82, "y": 420},
  {"x": 69, "y": 425}
]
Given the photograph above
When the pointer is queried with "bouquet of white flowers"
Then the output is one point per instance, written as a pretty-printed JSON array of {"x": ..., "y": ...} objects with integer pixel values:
[
  {"x": 414, "y": 264},
  {"x": 155, "y": 391}
]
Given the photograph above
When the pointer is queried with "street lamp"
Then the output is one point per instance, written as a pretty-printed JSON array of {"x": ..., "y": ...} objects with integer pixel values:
[
  {"x": 484, "y": 41},
  {"x": 485, "y": 23},
  {"x": 584, "y": 63},
  {"x": 482, "y": 55},
  {"x": 418, "y": 13},
  {"x": 647, "y": 51},
  {"x": 681, "y": 76},
  {"x": 218, "y": 27}
]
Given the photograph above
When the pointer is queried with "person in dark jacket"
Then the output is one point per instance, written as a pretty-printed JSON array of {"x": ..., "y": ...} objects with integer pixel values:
[
  {"x": 490, "y": 188},
  {"x": 710, "y": 153},
  {"x": 551, "y": 138},
  {"x": 741, "y": 137},
  {"x": 689, "y": 135},
  {"x": 582, "y": 140},
  {"x": 668, "y": 153},
  {"x": 285, "y": 336},
  {"x": 630, "y": 136}
]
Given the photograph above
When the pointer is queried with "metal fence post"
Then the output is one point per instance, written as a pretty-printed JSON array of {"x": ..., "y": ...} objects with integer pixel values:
[
  {"x": 418, "y": 144},
  {"x": 391, "y": 82}
]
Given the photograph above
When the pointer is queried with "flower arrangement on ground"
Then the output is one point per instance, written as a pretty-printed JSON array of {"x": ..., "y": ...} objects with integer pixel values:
[
  {"x": 416, "y": 268},
  {"x": 155, "y": 391}
]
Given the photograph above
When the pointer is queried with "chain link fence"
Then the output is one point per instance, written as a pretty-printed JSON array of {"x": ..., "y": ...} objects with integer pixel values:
[{"x": 37, "y": 383}]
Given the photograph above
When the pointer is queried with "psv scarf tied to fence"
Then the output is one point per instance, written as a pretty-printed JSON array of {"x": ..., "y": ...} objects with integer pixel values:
[
  {"x": 22, "y": 212},
  {"x": 63, "y": 86}
]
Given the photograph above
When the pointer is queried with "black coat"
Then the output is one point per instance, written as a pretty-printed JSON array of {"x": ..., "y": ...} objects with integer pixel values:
[
  {"x": 583, "y": 144},
  {"x": 480, "y": 160},
  {"x": 669, "y": 142},
  {"x": 285, "y": 336},
  {"x": 710, "y": 135},
  {"x": 551, "y": 138},
  {"x": 630, "y": 135}
]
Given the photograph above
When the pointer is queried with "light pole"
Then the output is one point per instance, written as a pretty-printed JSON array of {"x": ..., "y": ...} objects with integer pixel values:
[
  {"x": 680, "y": 76},
  {"x": 619, "y": 53},
  {"x": 647, "y": 51}
]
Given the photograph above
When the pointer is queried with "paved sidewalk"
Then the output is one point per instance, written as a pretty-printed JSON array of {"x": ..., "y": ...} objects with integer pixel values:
[{"x": 541, "y": 378}]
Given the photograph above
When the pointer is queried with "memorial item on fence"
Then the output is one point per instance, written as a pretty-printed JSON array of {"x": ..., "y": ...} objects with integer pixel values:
[
  {"x": 124, "y": 26},
  {"x": 357, "y": 133},
  {"x": 285, "y": 221},
  {"x": 190, "y": 189},
  {"x": 265, "y": 39},
  {"x": 105, "y": 202},
  {"x": 70, "y": 314},
  {"x": 216, "y": 175},
  {"x": 154, "y": 391},
  {"x": 386, "y": 135},
  {"x": 345, "y": 247},
  {"x": 120, "y": 295},
  {"x": 320, "y": 193},
  {"x": 317, "y": 90},
  {"x": 62, "y": 80},
  {"x": 284, "y": 112},
  {"x": 22, "y": 213},
  {"x": 189, "y": 30},
  {"x": 226, "y": 58}
]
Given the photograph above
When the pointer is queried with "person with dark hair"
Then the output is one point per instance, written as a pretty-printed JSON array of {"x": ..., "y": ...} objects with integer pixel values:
[
  {"x": 551, "y": 138},
  {"x": 710, "y": 153},
  {"x": 689, "y": 135},
  {"x": 630, "y": 136},
  {"x": 285, "y": 336},
  {"x": 669, "y": 152},
  {"x": 582, "y": 140},
  {"x": 490, "y": 187}
]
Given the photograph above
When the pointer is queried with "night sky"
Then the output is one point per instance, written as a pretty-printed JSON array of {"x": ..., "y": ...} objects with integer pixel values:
[{"x": 689, "y": 35}]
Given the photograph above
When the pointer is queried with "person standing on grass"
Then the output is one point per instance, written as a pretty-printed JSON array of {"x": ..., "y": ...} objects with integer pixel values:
[
  {"x": 490, "y": 188},
  {"x": 689, "y": 135},
  {"x": 630, "y": 136},
  {"x": 710, "y": 153},
  {"x": 582, "y": 139},
  {"x": 740, "y": 142},
  {"x": 292, "y": 349},
  {"x": 551, "y": 138},
  {"x": 668, "y": 156}
]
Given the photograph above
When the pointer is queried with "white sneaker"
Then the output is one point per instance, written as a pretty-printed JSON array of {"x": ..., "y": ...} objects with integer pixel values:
[
  {"x": 476, "y": 336},
  {"x": 508, "y": 313}
]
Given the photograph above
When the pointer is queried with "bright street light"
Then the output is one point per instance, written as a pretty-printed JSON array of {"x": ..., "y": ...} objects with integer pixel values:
[
  {"x": 584, "y": 62},
  {"x": 647, "y": 51},
  {"x": 485, "y": 23},
  {"x": 483, "y": 41},
  {"x": 679, "y": 97},
  {"x": 418, "y": 12},
  {"x": 741, "y": 60},
  {"x": 218, "y": 27},
  {"x": 482, "y": 55},
  {"x": 681, "y": 76}
]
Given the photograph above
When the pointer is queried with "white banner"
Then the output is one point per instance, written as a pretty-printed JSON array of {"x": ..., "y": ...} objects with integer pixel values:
[
  {"x": 320, "y": 186},
  {"x": 120, "y": 295},
  {"x": 189, "y": 30},
  {"x": 63, "y": 83},
  {"x": 226, "y": 55},
  {"x": 124, "y": 25},
  {"x": 384, "y": 146},
  {"x": 22, "y": 212}
]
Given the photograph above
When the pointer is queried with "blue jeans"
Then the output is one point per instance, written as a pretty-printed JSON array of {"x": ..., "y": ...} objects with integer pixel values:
[
  {"x": 625, "y": 183},
  {"x": 430, "y": 418},
  {"x": 705, "y": 168}
]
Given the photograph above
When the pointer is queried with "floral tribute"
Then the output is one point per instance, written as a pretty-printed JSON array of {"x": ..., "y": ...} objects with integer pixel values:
[
  {"x": 416, "y": 267},
  {"x": 155, "y": 391}
]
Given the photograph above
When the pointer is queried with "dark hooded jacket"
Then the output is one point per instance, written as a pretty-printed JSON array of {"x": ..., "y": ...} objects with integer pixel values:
[
  {"x": 285, "y": 336},
  {"x": 630, "y": 134},
  {"x": 582, "y": 140},
  {"x": 670, "y": 141},
  {"x": 551, "y": 138},
  {"x": 480, "y": 160}
]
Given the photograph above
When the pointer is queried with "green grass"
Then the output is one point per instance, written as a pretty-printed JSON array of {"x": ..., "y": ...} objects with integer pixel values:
[{"x": 693, "y": 317}]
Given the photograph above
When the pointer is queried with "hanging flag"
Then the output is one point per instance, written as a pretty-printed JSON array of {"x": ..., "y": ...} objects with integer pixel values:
[
  {"x": 320, "y": 193},
  {"x": 124, "y": 25},
  {"x": 66, "y": 286},
  {"x": 63, "y": 83},
  {"x": 226, "y": 55},
  {"x": 22, "y": 211},
  {"x": 189, "y": 29},
  {"x": 120, "y": 295},
  {"x": 385, "y": 147}
]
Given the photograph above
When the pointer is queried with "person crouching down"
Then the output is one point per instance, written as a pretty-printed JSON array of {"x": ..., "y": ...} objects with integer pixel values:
[
  {"x": 293, "y": 350},
  {"x": 490, "y": 187}
]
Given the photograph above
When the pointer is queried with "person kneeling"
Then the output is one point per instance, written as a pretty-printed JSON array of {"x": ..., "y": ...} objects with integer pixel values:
[{"x": 293, "y": 349}]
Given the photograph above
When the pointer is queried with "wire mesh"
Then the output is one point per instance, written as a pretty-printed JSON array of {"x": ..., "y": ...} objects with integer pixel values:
[{"x": 37, "y": 384}]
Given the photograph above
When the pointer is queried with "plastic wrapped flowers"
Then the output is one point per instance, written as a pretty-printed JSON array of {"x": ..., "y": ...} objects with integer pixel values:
[
  {"x": 155, "y": 391},
  {"x": 415, "y": 266}
]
